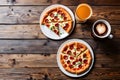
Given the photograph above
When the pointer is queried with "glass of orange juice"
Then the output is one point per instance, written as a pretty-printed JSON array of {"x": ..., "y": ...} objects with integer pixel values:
[{"x": 83, "y": 12}]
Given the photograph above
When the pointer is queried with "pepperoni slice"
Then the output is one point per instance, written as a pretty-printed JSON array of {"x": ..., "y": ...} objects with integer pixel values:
[
  {"x": 60, "y": 12},
  {"x": 55, "y": 31},
  {"x": 79, "y": 45},
  {"x": 78, "y": 49},
  {"x": 65, "y": 57},
  {"x": 65, "y": 18},
  {"x": 71, "y": 58},
  {"x": 56, "y": 17},
  {"x": 65, "y": 48},
  {"x": 65, "y": 65},
  {"x": 46, "y": 20},
  {"x": 80, "y": 66},
  {"x": 68, "y": 62},
  {"x": 84, "y": 55},
  {"x": 85, "y": 61},
  {"x": 76, "y": 60},
  {"x": 57, "y": 25},
  {"x": 53, "y": 20},
  {"x": 66, "y": 26},
  {"x": 74, "y": 53},
  {"x": 80, "y": 60},
  {"x": 69, "y": 52},
  {"x": 63, "y": 15},
  {"x": 48, "y": 25},
  {"x": 71, "y": 46},
  {"x": 51, "y": 14},
  {"x": 74, "y": 63},
  {"x": 71, "y": 66}
]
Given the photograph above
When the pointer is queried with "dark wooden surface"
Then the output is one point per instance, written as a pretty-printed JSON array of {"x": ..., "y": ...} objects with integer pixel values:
[{"x": 26, "y": 54}]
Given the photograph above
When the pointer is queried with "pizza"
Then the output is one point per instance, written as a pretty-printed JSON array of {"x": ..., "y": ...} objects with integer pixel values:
[
  {"x": 75, "y": 57},
  {"x": 57, "y": 18}
]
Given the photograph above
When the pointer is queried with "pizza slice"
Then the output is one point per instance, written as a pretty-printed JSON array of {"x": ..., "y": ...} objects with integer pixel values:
[
  {"x": 85, "y": 60},
  {"x": 50, "y": 16},
  {"x": 67, "y": 26},
  {"x": 53, "y": 27},
  {"x": 63, "y": 15}
]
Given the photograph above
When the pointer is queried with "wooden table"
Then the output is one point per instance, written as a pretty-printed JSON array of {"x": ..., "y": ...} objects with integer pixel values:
[{"x": 26, "y": 54}]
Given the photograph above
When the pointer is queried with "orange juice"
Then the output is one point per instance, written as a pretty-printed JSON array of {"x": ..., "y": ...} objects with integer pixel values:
[{"x": 83, "y": 12}]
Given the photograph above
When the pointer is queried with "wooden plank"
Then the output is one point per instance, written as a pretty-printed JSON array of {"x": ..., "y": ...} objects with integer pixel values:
[
  {"x": 31, "y": 14},
  {"x": 65, "y": 2},
  {"x": 105, "y": 2},
  {"x": 34, "y": 31},
  {"x": 38, "y": 60},
  {"x": 50, "y": 46},
  {"x": 41, "y": 2},
  {"x": 56, "y": 74}
]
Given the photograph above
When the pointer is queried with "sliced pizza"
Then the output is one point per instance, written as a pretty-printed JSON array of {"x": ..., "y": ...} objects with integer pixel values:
[
  {"x": 53, "y": 27},
  {"x": 75, "y": 57},
  {"x": 60, "y": 17}
]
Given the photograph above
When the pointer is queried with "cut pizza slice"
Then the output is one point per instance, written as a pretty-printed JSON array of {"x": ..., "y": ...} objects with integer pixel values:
[
  {"x": 67, "y": 26},
  {"x": 85, "y": 60},
  {"x": 63, "y": 15},
  {"x": 53, "y": 27},
  {"x": 50, "y": 16}
]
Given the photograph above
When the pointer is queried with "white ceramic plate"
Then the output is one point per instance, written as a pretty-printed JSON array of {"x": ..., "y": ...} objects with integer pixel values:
[
  {"x": 60, "y": 65},
  {"x": 48, "y": 32}
]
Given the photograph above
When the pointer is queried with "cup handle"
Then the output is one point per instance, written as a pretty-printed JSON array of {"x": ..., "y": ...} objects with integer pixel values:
[{"x": 110, "y": 36}]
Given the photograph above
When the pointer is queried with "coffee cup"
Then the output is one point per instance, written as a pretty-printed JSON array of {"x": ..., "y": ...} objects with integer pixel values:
[{"x": 102, "y": 29}]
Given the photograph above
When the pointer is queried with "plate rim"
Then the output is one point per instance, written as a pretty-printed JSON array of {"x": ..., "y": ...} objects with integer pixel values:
[
  {"x": 68, "y": 10},
  {"x": 60, "y": 65}
]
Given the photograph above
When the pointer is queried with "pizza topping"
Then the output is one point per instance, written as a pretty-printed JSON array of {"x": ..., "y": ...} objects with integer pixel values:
[
  {"x": 80, "y": 60},
  {"x": 74, "y": 62},
  {"x": 53, "y": 20},
  {"x": 71, "y": 58},
  {"x": 65, "y": 48},
  {"x": 56, "y": 17},
  {"x": 57, "y": 25},
  {"x": 69, "y": 52},
  {"x": 84, "y": 55},
  {"x": 66, "y": 26},
  {"x": 59, "y": 11},
  {"x": 63, "y": 15},
  {"x": 80, "y": 66},
  {"x": 71, "y": 46},
  {"x": 48, "y": 25},
  {"x": 46, "y": 20},
  {"x": 78, "y": 49},
  {"x": 85, "y": 61},
  {"x": 68, "y": 62},
  {"x": 51, "y": 14},
  {"x": 65, "y": 18},
  {"x": 65, "y": 65},
  {"x": 56, "y": 31},
  {"x": 65, "y": 57},
  {"x": 74, "y": 53},
  {"x": 71, "y": 66}
]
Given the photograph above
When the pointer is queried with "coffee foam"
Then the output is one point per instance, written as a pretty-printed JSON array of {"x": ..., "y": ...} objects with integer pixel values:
[{"x": 101, "y": 28}]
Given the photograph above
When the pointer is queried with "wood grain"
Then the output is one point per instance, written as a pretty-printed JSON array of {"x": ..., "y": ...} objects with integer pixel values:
[
  {"x": 34, "y": 31},
  {"x": 37, "y": 66},
  {"x": 41, "y": 2},
  {"x": 50, "y": 46},
  {"x": 40, "y": 60},
  {"x": 31, "y": 14},
  {"x": 65, "y": 2}
]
